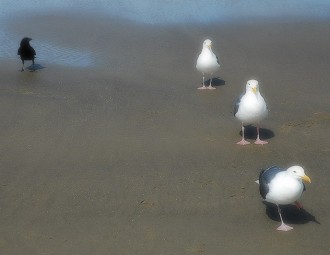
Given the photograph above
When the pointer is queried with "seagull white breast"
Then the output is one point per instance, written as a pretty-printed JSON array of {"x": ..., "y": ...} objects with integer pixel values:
[
  {"x": 284, "y": 189},
  {"x": 207, "y": 61},
  {"x": 252, "y": 108}
]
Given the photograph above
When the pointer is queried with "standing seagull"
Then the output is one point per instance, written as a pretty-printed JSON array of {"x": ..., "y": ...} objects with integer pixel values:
[
  {"x": 282, "y": 187},
  {"x": 251, "y": 108},
  {"x": 25, "y": 51},
  {"x": 207, "y": 62}
]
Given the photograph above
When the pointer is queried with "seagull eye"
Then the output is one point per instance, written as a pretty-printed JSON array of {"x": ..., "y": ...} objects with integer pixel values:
[{"x": 295, "y": 171}]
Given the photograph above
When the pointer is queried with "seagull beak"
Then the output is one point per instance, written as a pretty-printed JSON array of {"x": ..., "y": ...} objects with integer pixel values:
[
  {"x": 306, "y": 179},
  {"x": 254, "y": 89}
]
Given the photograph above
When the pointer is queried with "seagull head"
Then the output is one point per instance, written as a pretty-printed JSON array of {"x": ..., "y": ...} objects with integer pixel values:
[
  {"x": 252, "y": 85},
  {"x": 207, "y": 43},
  {"x": 298, "y": 173}
]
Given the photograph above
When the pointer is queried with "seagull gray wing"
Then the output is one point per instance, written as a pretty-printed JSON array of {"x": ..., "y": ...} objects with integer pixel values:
[
  {"x": 265, "y": 177},
  {"x": 237, "y": 102}
]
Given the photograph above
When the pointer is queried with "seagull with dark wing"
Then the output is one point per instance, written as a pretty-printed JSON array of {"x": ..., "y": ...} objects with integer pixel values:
[
  {"x": 282, "y": 187},
  {"x": 26, "y": 51}
]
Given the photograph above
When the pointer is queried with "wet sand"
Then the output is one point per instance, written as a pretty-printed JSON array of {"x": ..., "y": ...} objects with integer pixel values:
[{"x": 128, "y": 157}]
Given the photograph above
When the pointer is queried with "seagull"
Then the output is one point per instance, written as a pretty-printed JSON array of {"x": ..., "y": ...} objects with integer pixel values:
[
  {"x": 25, "y": 51},
  {"x": 251, "y": 108},
  {"x": 282, "y": 187},
  {"x": 207, "y": 62}
]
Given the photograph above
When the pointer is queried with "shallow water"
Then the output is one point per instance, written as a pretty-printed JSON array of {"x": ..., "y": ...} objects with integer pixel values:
[
  {"x": 47, "y": 52},
  {"x": 157, "y": 12},
  {"x": 144, "y": 12}
]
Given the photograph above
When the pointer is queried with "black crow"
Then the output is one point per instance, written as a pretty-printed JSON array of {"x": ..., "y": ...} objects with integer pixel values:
[{"x": 26, "y": 51}]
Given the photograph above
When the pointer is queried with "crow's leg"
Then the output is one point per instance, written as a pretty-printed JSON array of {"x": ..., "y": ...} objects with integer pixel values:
[{"x": 22, "y": 66}]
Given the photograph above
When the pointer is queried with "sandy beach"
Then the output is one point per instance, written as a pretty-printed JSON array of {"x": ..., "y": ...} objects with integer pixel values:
[{"x": 125, "y": 156}]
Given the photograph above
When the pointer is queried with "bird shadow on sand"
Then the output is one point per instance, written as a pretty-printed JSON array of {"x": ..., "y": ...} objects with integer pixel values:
[
  {"x": 290, "y": 213},
  {"x": 250, "y": 132},
  {"x": 216, "y": 82},
  {"x": 35, "y": 67}
]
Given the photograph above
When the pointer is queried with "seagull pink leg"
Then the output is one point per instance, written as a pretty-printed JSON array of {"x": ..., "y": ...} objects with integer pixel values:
[
  {"x": 258, "y": 141},
  {"x": 210, "y": 86},
  {"x": 298, "y": 205},
  {"x": 283, "y": 226},
  {"x": 203, "y": 87},
  {"x": 243, "y": 141}
]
